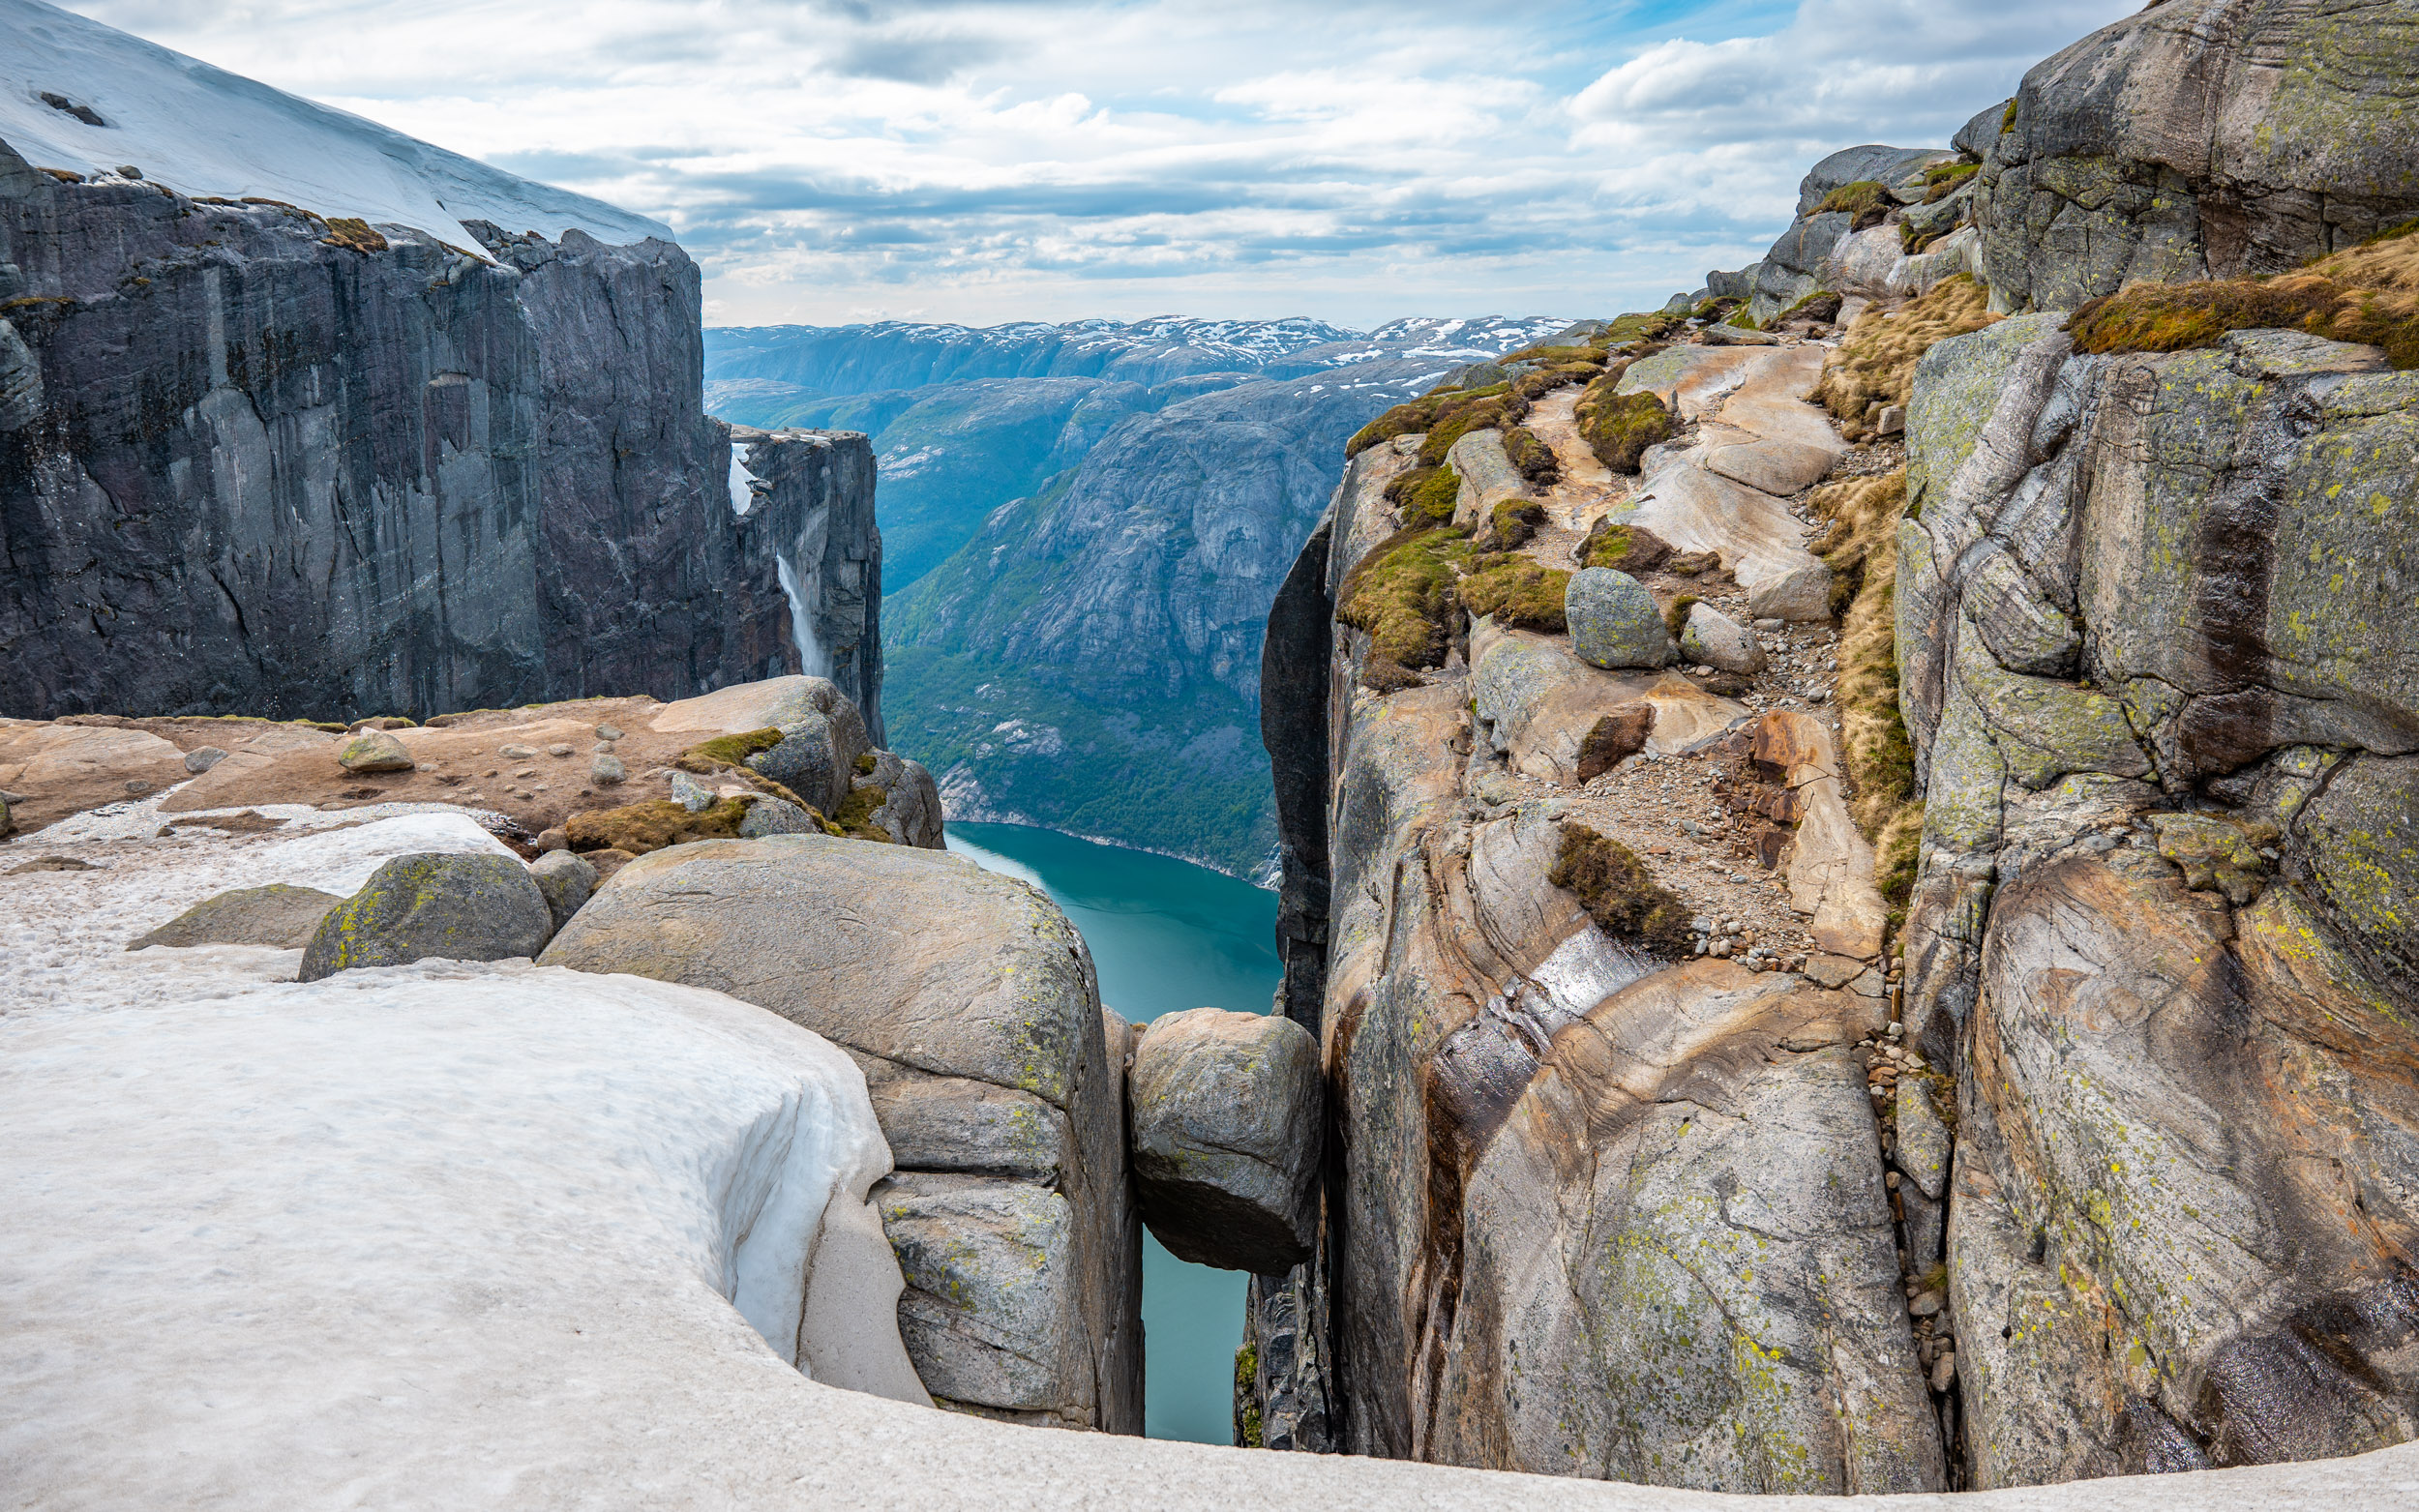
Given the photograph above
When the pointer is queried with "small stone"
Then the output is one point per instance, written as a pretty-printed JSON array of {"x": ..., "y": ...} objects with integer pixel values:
[
  {"x": 1944, "y": 1371},
  {"x": 373, "y": 750},
  {"x": 1719, "y": 643},
  {"x": 553, "y": 840},
  {"x": 606, "y": 770},
  {"x": 1928, "y": 1305},
  {"x": 515, "y": 753},
  {"x": 52, "y": 864},
  {"x": 606, "y": 732},
  {"x": 1772, "y": 627},
  {"x": 204, "y": 759},
  {"x": 691, "y": 794},
  {"x": 558, "y": 749},
  {"x": 566, "y": 880},
  {"x": 135, "y": 784},
  {"x": 1892, "y": 421}
]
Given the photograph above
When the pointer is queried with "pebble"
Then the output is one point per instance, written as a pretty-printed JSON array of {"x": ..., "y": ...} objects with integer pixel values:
[{"x": 606, "y": 732}]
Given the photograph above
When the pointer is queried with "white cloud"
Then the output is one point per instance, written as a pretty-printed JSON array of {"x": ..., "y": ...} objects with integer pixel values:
[{"x": 982, "y": 160}]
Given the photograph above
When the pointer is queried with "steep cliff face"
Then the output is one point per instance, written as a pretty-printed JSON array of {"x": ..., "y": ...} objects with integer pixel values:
[
  {"x": 2164, "y": 925},
  {"x": 2090, "y": 1157},
  {"x": 249, "y": 468}
]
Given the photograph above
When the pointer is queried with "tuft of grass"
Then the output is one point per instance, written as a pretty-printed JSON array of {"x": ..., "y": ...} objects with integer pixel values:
[
  {"x": 1677, "y": 614},
  {"x": 1641, "y": 326},
  {"x": 1532, "y": 457},
  {"x": 1554, "y": 354},
  {"x": 1424, "y": 495},
  {"x": 1401, "y": 595},
  {"x": 1943, "y": 178},
  {"x": 1692, "y": 564},
  {"x": 856, "y": 819},
  {"x": 1619, "y": 427},
  {"x": 1875, "y": 362},
  {"x": 644, "y": 827},
  {"x": 1518, "y": 592},
  {"x": 1619, "y": 893},
  {"x": 354, "y": 235},
  {"x": 1860, "y": 546},
  {"x": 2369, "y": 293},
  {"x": 1511, "y": 525},
  {"x": 1867, "y": 201},
  {"x": 1821, "y": 305},
  {"x": 2007, "y": 119},
  {"x": 1628, "y": 549},
  {"x": 1497, "y": 409},
  {"x": 731, "y": 750}
]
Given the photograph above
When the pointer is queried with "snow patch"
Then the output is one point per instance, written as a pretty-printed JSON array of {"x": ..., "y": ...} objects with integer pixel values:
[
  {"x": 742, "y": 482},
  {"x": 206, "y": 131}
]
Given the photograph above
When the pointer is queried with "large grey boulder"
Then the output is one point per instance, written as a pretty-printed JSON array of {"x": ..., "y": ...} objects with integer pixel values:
[
  {"x": 2171, "y": 145},
  {"x": 973, "y": 1006},
  {"x": 1614, "y": 620},
  {"x": 373, "y": 750},
  {"x": 776, "y": 816},
  {"x": 1226, "y": 1114},
  {"x": 452, "y": 907},
  {"x": 280, "y": 915}
]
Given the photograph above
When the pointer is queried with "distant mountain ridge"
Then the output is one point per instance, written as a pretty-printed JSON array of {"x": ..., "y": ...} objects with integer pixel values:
[
  {"x": 1083, "y": 526},
  {"x": 751, "y": 371}
]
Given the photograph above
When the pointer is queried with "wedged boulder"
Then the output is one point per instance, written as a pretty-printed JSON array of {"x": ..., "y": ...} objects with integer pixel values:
[
  {"x": 943, "y": 972},
  {"x": 453, "y": 908},
  {"x": 1614, "y": 621},
  {"x": 1677, "y": 1261},
  {"x": 280, "y": 915},
  {"x": 1226, "y": 1112},
  {"x": 807, "y": 762}
]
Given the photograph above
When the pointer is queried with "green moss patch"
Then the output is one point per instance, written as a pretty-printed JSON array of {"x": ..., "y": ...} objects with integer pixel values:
[
  {"x": 1866, "y": 201},
  {"x": 1511, "y": 524},
  {"x": 1401, "y": 595},
  {"x": 1942, "y": 180},
  {"x": 1676, "y": 613},
  {"x": 1534, "y": 458},
  {"x": 856, "y": 819},
  {"x": 1424, "y": 495},
  {"x": 725, "y": 751},
  {"x": 1619, "y": 427},
  {"x": 1619, "y": 893},
  {"x": 1517, "y": 591}
]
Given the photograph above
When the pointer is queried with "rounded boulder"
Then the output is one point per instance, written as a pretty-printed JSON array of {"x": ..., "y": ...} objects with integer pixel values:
[
  {"x": 1225, "y": 1111},
  {"x": 1614, "y": 620},
  {"x": 373, "y": 750},
  {"x": 1715, "y": 640},
  {"x": 452, "y": 907}
]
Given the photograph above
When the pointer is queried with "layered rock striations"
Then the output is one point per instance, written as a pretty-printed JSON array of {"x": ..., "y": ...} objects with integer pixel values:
[
  {"x": 2071, "y": 1137},
  {"x": 255, "y": 462}
]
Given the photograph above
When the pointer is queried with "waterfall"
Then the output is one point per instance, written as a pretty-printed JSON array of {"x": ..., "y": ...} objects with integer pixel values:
[{"x": 811, "y": 658}]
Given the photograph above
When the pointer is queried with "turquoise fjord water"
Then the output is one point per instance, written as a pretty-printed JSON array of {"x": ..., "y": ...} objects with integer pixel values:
[{"x": 1164, "y": 934}]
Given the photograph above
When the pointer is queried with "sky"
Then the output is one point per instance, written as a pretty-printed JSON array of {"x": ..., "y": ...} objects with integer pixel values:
[{"x": 837, "y": 161}]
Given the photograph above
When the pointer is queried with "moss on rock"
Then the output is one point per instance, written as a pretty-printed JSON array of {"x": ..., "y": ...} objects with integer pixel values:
[
  {"x": 1619, "y": 893},
  {"x": 1401, "y": 595},
  {"x": 1618, "y": 427},
  {"x": 1518, "y": 592}
]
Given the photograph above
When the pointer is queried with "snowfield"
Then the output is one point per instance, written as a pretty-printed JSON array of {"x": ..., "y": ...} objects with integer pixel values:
[{"x": 205, "y": 132}]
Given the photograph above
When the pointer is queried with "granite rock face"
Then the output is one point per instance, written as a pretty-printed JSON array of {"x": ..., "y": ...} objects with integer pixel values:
[
  {"x": 245, "y": 468},
  {"x": 280, "y": 915},
  {"x": 2205, "y": 138},
  {"x": 971, "y": 1007},
  {"x": 1226, "y": 1115},
  {"x": 2152, "y": 628}
]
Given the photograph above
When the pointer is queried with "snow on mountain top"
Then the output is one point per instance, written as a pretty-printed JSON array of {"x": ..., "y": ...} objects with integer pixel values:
[{"x": 205, "y": 132}]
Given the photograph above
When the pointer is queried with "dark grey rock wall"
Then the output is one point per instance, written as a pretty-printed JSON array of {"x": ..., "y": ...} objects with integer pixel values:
[{"x": 245, "y": 468}]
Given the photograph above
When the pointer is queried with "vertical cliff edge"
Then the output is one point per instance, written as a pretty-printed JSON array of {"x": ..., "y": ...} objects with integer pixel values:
[{"x": 254, "y": 459}]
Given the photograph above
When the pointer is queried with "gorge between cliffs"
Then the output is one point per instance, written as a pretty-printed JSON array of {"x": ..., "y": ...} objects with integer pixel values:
[{"x": 1820, "y": 881}]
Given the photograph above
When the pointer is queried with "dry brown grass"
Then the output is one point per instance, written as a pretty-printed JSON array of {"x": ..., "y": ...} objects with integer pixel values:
[
  {"x": 1875, "y": 363},
  {"x": 1860, "y": 546},
  {"x": 1867, "y": 199},
  {"x": 2367, "y": 294},
  {"x": 1618, "y": 891}
]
